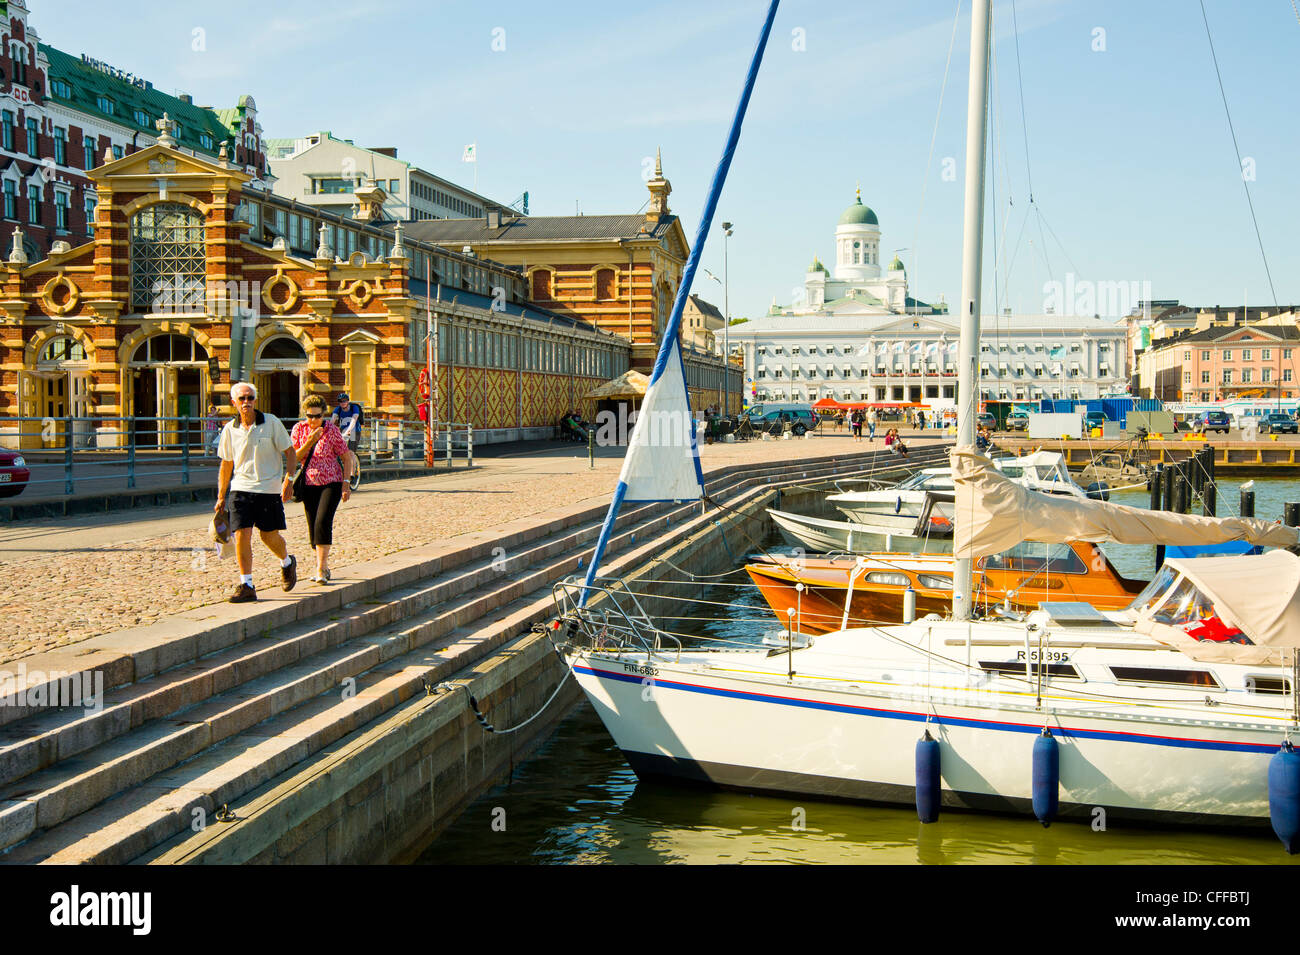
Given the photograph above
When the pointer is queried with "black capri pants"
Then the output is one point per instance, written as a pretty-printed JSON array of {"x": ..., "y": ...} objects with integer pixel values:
[{"x": 319, "y": 502}]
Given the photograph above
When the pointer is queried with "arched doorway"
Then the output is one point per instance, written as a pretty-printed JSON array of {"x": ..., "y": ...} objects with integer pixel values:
[
  {"x": 167, "y": 374},
  {"x": 280, "y": 373}
]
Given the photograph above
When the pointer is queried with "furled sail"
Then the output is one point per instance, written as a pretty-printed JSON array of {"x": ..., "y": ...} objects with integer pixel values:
[{"x": 993, "y": 514}]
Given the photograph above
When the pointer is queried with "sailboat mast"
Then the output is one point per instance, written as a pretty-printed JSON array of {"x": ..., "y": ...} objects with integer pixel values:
[{"x": 971, "y": 259}]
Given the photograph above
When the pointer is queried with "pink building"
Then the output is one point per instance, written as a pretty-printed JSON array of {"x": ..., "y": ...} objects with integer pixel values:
[{"x": 1219, "y": 363}]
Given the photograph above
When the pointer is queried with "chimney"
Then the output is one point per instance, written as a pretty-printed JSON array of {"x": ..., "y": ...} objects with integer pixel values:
[
  {"x": 494, "y": 220},
  {"x": 385, "y": 150},
  {"x": 185, "y": 98}
]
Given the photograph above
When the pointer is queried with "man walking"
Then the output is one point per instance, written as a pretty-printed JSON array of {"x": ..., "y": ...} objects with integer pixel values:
[{"x": 257, "y": 466}]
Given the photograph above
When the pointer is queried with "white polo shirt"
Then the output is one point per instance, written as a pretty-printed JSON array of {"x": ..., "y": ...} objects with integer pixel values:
[{"x": 258, "y": 453}]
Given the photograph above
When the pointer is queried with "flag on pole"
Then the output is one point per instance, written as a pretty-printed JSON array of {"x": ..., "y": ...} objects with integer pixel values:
[{"x": 470, "y": 154}]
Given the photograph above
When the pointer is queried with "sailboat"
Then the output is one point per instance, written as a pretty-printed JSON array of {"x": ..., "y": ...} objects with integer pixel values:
[{"x": 1178, "y": 708}]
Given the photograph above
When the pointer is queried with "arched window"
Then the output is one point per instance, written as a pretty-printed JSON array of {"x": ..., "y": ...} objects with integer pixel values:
[
  {"x": 61, "y": 349},
  {"x": 604, "y": 284},
  {"x": 283, "y": 348},
  {"x": 168, "y": 268}
]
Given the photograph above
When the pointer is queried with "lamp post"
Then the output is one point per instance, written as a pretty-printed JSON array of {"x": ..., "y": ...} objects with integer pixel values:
[{"x": 726, "y": 322}]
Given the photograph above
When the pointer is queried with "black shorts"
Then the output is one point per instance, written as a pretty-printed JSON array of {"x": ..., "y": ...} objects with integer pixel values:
[{"x": 263, "y": 511}]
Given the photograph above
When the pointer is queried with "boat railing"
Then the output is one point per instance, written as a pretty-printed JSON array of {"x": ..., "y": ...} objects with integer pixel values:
[{"x": 612, "y": 617}]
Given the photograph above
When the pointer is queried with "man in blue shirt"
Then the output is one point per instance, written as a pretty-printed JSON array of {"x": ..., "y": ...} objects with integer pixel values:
[{"x": 347, "y": 415}]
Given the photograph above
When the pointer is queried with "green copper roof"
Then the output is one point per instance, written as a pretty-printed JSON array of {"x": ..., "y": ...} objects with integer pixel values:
[
  {"x": 89, "y": 84},
  {"x": 896, "y": 265},
  {"x": 858, "y": 214}
]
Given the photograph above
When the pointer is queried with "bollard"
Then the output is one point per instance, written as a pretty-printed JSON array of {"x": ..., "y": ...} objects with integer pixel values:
[
  {"x": 401, "y": 450},
  {"x": 1291, "y": 514},
  {"x": 449, "y": 444},
  {"x": 67, "y": 455},
  {"x": 185, "y": 449},
  {"x": 1209, "y": 499},
  {"x": 1180, "y": 494},
  {"x": 469, "y": 445},
  {"x": 1170, "y": 473},
  {"x": 374, "y": 444},
  {"x": 130, "y": 455},
  {"x": 591, "y": 448},
  {"x": 1247, "y": 507}
]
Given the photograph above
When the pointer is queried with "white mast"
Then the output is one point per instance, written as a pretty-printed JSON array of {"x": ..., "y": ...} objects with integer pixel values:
[{"x": 971, "y": 258}]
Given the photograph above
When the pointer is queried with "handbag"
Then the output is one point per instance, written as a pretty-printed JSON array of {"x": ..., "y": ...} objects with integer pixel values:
[{"x": 300, "y": 477}]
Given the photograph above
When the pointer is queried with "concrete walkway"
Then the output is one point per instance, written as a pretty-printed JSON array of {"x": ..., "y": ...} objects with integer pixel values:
[{"x": 66, "y": 580}]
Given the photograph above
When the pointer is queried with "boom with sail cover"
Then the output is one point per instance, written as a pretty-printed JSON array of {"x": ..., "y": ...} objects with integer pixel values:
[
  {"x": 663, "y": 461},
  {"x": 993, "y": 514}
]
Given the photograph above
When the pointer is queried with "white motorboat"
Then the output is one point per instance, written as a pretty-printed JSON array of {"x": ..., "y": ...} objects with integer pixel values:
[
  {"x": 1043, "y": 471},
  {"x": 927, "y": 532}
]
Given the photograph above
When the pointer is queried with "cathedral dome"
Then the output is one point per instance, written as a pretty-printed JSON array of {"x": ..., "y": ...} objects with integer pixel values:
[
  {"x": 817, "y": 266},
  {"x": 896, "y": 265},
  {"x": 858, "y": 214}
]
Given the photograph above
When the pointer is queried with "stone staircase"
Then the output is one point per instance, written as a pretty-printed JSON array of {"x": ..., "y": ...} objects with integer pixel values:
[{"x": 211, "y": 705}]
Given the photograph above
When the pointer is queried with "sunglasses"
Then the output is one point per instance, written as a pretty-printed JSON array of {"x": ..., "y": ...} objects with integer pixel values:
[
  {"x": 245, "y": 398},
  {"x": 313, "y": 416}
]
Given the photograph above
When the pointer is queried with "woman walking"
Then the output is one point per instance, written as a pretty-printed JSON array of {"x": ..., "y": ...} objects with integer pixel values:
[{"x": 324, "y": 454}]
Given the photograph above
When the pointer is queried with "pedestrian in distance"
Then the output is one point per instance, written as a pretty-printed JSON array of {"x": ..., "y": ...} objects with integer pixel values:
[
  {"x": 211, "y": 430},
  {"x": 872, "y": 420},
  {"x": 323, "y": 454},
  {"x": 920, "y": 420},
  {"x": 856, "y": 422},
  {"x": 256, "y": 477}
]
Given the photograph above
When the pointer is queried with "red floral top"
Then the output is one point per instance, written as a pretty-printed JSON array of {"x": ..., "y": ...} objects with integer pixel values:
[{"x": 323, "y": 466}]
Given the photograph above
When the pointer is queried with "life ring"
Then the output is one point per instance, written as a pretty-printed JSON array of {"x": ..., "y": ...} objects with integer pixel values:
[{"x": 424, "y": 384}]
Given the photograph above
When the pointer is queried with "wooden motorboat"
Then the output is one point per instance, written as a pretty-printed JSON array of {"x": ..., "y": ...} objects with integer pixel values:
[{"x": 1022, "y": 578}]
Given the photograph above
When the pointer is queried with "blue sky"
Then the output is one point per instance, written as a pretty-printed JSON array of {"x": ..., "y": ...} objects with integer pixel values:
[{"x": 1134, "y": 174}]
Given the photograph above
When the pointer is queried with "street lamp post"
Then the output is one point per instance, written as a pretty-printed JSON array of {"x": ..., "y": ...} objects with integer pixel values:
[{"x": 726, "y": 322}]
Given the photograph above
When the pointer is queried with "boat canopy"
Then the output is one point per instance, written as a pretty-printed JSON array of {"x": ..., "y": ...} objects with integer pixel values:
[
  {"x": 994, "y": 513},
  {"x": 1238, "y": 609}
]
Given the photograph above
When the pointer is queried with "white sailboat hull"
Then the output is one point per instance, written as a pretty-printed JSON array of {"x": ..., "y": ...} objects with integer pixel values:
[{"x": 701, "y": 724}]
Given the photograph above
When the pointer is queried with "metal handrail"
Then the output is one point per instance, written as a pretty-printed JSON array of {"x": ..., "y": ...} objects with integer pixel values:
[
  {"x": 177, "y": 446},
  {"x": 600, "y": 624}
]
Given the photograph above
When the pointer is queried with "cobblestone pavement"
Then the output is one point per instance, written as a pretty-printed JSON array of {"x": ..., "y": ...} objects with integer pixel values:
[{"x": 70, "y": 585}]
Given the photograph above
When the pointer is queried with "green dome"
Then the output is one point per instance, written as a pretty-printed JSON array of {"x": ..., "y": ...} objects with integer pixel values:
[
  {"x": 858, "y": 214},
  {"x": 896, "y": 265}
]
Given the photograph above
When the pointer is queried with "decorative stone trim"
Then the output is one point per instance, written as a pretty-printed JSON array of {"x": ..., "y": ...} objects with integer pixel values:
[
  {"x": 71, "y": 299},
  {"x": 291, "y": 298},
  {"x": 360, "y": 292}
]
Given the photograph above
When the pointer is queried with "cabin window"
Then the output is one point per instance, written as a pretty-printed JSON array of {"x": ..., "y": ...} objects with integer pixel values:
[
  {"x": 1277, "y": 686},
  {"x": 1154, "y": 590},
  {"x": 1012, "y": 668},
  {"x": 886, "y": 577},
  {"x": 937, "y": 583},
  {"x": 1165, "y": 677}
]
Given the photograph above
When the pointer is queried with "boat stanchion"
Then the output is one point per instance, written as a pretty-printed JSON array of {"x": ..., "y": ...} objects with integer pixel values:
[
  {"x": 1046, "y": 780},
  {"x": 928, "y": 794},
  {"x": 1284, "y": 796}
]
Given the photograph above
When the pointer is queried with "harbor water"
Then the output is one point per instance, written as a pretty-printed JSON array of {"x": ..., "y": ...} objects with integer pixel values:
[{"x": 577, "y": 801}]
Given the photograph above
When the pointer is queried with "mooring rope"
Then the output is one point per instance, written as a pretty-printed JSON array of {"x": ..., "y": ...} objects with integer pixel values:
[{"x": 482, "y": 720}]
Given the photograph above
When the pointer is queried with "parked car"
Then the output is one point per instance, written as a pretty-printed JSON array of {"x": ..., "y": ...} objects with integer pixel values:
[
  {"x": 14, "y": 473},
  {"x": 803, "y": 417},
  {"x": 1278, "y": 423},
  {"x": 1018, "y": 421},
  {"x": 1094, "y": 419},
  {"x": 1214, "y": 421},
  {"x": 985, "y": 419}
]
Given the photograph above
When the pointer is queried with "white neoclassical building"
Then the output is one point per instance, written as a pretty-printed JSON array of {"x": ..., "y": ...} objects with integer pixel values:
[{"x": 859, "y": 337}]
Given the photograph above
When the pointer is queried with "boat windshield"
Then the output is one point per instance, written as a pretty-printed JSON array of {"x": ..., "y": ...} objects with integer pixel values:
[
  {"x": 927, "y": 481},
  {"x": 1185, "y": 604},
  {"x": 1032, "y": 557},
  {"x": 1154, "y": 590}
]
